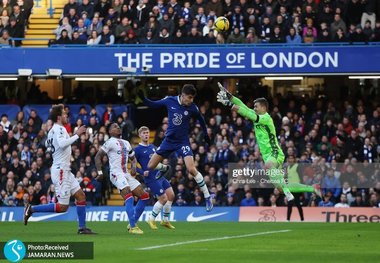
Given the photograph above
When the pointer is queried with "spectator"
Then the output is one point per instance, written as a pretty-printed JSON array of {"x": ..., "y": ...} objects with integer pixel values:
[
  {"x": 326, "y": 201},
  {"x": 77, "y": 40},
  {"x": 293, "y": 37},
  {"x": 15, "y": 31},
  {"x": 331, "y": 184},
  {"x": 251, "y": 37},
  {"x": 95, "y": 25},
  {"x": 164, "y": 37},
  {"x": 5, "y": 38},
  {"x": 88, "y": 7},
  {"x": 94, "y": 38},
  {"x": 122, "y": 29},
  {"x": 64, "y": 26},
  {"x": 236, "y": 37},
  {"x": 338, "y": 24},
  {"x": 107, "y": 38},
  {"x": 340, "y": 36},
  {"x": 4, "y": 18},
  {"x": 358, "y": 35},
  {"x": 64, "y": 38},
  {"x": 5, "y": 123},
  {"x": 72, "y": 4},
  {"x": 343, "y": 202},
  {"x": 248, "y": 200},
  {"x": 277, "y": 36},
  {"x": 81, "y": 29}
]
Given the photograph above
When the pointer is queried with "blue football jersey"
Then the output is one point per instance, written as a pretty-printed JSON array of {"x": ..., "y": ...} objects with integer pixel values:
[
  {"x": 179, "y": 117},
  {"x": 143, "y": 153}
]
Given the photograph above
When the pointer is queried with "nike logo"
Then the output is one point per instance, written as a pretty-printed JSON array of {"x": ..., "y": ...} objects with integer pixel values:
[
  {"x": 172, "y": 108},
  {"x": 145, "y": 151},
  {"x": 192, "y": 218},
  {"x": 42, "y": 218}
]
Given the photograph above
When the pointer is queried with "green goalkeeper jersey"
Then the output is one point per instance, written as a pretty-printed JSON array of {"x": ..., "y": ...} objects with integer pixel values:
[{"x": 264, "y": 130}]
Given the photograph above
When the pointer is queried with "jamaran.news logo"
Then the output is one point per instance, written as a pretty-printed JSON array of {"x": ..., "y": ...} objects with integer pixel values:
[{"x": 14, "y": 250}]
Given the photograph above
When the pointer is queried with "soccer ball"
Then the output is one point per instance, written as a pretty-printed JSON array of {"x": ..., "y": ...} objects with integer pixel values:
[{"x": 221, "y": 24}]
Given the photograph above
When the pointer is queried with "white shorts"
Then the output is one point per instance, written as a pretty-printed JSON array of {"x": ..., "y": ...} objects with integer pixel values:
[
  {"x": 65, "y": 185},
  {"x": 122, "y": 180}
]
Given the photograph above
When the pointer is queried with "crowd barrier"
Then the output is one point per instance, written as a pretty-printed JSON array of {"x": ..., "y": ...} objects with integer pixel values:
[{"x": 198, "y": 214}]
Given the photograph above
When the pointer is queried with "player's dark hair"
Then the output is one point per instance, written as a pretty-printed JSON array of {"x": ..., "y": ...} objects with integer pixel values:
[
  {"x": 109, "y": 126},
  {"x": 56, "y": 110},
  {"x": 262, "y": 101},
  {"x": 189, "y": 89}
]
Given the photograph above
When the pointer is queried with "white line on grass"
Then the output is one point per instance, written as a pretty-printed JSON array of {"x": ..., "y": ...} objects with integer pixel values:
[{"x": 213, "y": 239}]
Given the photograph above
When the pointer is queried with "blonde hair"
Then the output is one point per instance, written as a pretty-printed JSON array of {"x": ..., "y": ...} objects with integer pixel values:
[{"x": 142, "y": 129}]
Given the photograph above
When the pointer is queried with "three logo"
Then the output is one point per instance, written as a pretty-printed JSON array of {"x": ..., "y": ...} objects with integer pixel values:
[{"x": 14, "y": 250}]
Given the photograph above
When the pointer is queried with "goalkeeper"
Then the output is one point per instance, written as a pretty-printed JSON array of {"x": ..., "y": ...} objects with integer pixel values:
[{"x": 267, "y": 140}]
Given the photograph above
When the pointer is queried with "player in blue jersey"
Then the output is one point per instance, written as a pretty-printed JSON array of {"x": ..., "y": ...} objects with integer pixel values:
[
  {"x": 180, "y": 110},
  {"x": 161, "y": 187}
]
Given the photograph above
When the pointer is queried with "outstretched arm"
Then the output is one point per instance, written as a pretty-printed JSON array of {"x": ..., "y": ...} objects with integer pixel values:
[
  {"x": 246, "y": 112},
  {"x": 151, "y": 103},
  {"x": 227, "y": 99},
  {"x": 202, "y": 122},
  {"x": 154, "y": 103}
]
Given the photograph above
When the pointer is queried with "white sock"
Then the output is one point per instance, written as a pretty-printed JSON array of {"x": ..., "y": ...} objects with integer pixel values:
[
  {"x": 156, "y": 210},
  {"x": 161, "y": 167},
  {"x": 201, "y": 183},
  {"x": 167, "y": 208}
]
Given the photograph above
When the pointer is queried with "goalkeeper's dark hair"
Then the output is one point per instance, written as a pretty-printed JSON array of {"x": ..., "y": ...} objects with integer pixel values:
[
  {"x": 189, "y": 89},
  {"x": 262, "y": 101}
]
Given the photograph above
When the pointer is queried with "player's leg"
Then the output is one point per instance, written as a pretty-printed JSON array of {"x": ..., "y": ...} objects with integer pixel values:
[
  {"x": 155, "y": 162},
  {"x": 143, "y": 196},
  {"x": 143, "y": 200},
  {"x": 168, "y": 205},
  {"x": 189, "y": 162},
  {"x": 121, "y": 183},
  {"x": 63, "y": 196},
  {"x": 276, "y": 176},
  {"x": 80, "y": 202},
  {"x": 158, "y": 192}
]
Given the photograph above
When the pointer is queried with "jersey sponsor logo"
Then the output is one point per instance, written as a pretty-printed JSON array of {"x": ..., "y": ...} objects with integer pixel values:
[
  {"x": 192, "y": 218},
  {"x": 50, "y": 147},
  {"x": 177, "y": 120}
]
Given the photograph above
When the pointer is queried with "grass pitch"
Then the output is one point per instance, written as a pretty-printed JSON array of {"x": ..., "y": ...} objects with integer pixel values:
[{"x": 213, "y": 242}]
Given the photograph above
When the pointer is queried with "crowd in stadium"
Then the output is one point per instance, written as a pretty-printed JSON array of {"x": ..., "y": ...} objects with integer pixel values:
[
  {"x": 109, "y": 22},
  {"x": 319, "y": 132}
]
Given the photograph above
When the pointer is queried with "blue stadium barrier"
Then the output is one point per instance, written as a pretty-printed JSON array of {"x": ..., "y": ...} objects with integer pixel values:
[
  {"x": 41, "y": 109},
  {"x": 11, "y": 110},
  {"x": 118, "y": 108}
]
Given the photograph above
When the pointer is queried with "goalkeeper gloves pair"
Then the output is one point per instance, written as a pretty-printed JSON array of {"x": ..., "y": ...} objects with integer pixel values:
[{"x": 224, "y": 96}]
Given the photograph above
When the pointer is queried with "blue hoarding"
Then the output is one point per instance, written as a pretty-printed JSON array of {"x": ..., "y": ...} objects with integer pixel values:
[
  {"x": 202, "y": 60},
  {"x": 117, "y": 213}
]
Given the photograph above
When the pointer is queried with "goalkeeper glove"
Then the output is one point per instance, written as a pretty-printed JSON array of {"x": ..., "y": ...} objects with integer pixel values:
[
  {"x": 222, "y": 98},
  {"x": 225, "y": 91}
]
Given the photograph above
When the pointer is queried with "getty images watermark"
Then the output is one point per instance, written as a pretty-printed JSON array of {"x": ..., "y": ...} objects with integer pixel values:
[
  {"x": 240, "y": 175},
  {"x": 16, "y": 250},
  {"x": 342, "y": 175}
]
